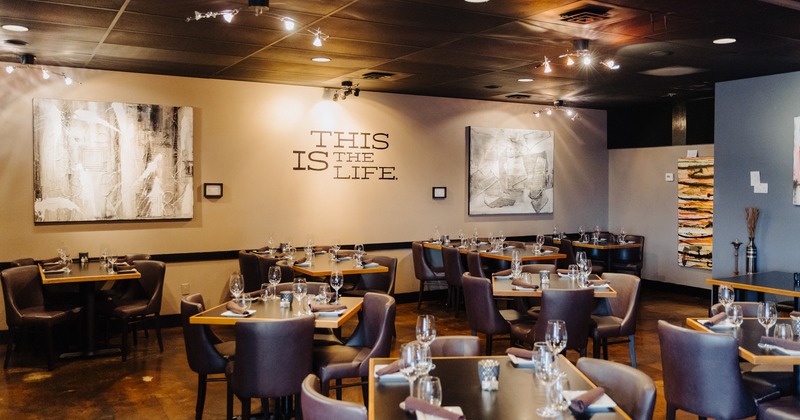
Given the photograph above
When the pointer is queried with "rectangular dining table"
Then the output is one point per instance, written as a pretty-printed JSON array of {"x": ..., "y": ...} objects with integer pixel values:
[
  {"x": 605, "y": 246},
  {"x": 322, "y": 266},
  {"x": 526, "y": 255},
  {"x": 772, "y": 282},
  {"x": 517, "y": 397},
  {"x": 271, "y": 310},
  {"x": 504, "y": 288},
  {"x": 86, "y": 275},
  {"x": 748, "y": 335}
]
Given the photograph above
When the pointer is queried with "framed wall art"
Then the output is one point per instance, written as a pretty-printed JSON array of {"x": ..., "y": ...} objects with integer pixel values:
[{"x": 695, "y": 211}]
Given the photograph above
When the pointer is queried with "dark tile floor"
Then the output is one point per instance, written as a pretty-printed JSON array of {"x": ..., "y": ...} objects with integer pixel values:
[{"x": 160, "y": 385}]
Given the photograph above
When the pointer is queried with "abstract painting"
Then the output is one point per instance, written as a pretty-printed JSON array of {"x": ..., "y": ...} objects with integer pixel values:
[
  {"x": 510, "y": 171},
  {"x": 695, "y": 211},
  {"x": 796, "y": 159},
  {"x": 111, "y": 161}
]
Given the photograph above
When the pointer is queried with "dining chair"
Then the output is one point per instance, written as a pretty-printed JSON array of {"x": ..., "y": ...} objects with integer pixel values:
[
  {"x": 482, "y": 313},
  {"x": 206, "y": 353},
  {"x": 121, "y": 287},
  {"x": 376, "y": 282},
  {"x": 316, "y": 406},
  {"x": 749, "y": 309},
  {"x": 629, "y": 260},
  {"x": 19, "y": 262},
  {"x": 423, "y": 270},
  {"x": 26, "y": 308},
  {"x": 137, "y": 309},
  {"x": 455, "y": 346},
  {"x": 701, "y": 375},
  {"x": 567, "y": 248},
  {"x": 632, "y": 390},
  {"x": 616, "y": 317},
  {"x": 272, "y": 359},
  {"x": 784, "y": 408},
  {"x": 573, "y": 306},
  {"x": 474, "y": 264},
  {"x": 453, "y": 270},
  {"x": 265, "y": 262},
  {"x": 249, "y": 269},
  {"x": 371, "y": 338}
]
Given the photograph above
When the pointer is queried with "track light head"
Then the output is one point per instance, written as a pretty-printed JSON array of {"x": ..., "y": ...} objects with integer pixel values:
[{"x": 27, "y": 59}]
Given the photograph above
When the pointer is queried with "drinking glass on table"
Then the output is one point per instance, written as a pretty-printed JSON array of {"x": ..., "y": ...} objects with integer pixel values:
[
  {"x": 274, "y": 277},
  {"x": 516, "y": 263},
  {"x": 574, "y": 272},
  {"x": 767, "y": 315},
  {"x": 112, "y": 259},
  {"x": 540, "y": 240},
  {"x": 430, "y": 390},
  {"x": 265, "y": 292},
  {"x": 335, "y": 251},
  {"x": 323, "y": 294},
  {"x": 300, "y": 289},
  {"x": 556, "y": 335},
  {"x": 289, "y": 254},
  {"x": 548, "y": 371},
  {"x": 784, "y": 331},
  {"x": 735, "y": 316},
  {"x": 236, "y": 283},
  {"x": 409, "y": 357},
  {"x": 725, "y": 295},
  {"x": 425, "y": 361},
  {"x": 337, "y": 281},
  {"x": 461, "y": 238},
  {"x": 426, "y": 329}
]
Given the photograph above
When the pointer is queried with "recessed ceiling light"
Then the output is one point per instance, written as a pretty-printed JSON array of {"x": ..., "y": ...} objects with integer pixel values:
[
  {"x": 320, "y": 59},
  {"x": 476, "y": 1},
  {"x": 15, "y": 28},
  {"x": 723, "y": 41},
  {"x": 525, "y": 80}
]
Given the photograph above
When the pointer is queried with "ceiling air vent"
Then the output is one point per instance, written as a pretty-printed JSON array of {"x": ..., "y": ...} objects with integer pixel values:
[
  {"x": 376, "y": 75},
  {"x": 590, "y": 13},
  {"x": 518, "y": 96}
]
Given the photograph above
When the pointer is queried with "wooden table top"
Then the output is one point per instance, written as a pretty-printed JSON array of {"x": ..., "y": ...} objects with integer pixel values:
[
  {"x": 503, "y": 287},
  {"x": 271, "y": 310},
  {"x": 518, "y": 395},
  {"x": 603, "y": 245},
  {"x": 749, "y": 334},
  {"x": 322, "y": 266},
  {"x": 88, "y": 272},
  {"x": 525, "y": 254},
  {"x": 775, "y": 282}
]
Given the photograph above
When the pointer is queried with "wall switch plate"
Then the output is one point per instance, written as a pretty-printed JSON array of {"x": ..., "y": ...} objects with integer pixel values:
[
  {"x": 669, "y": 177},
  {"x": 185, "y": 289}
]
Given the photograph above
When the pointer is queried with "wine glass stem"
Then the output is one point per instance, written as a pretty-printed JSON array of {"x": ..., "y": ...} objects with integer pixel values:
[{"x": 411, "y": 386}]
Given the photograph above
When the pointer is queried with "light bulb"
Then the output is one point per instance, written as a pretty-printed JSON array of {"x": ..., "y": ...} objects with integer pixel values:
[
  {"x": 67, "y": 80},
  {"x": 547, "y": 68},
  {"x": 587, "y": 60},
  {"x": 288, "y": 24},
  {"x": 45, "y": 74},
  {"x": 549, "y": 112},
  {"x": 228, "y": 16},
  {"x": 537, "y": 114},
  {"x": 569, "y": 112},
  {"x": 9, "y": 69},
  {"x": 570, "y": 61},
  {"x": 317, "y": 41}
]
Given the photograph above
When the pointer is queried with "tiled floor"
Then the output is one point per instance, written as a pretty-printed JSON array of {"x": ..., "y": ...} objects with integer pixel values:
[{"x": 160, "y": 385}]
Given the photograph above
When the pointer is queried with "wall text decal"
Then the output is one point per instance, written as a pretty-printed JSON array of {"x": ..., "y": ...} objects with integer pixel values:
[{"x": 347, "y": 155}]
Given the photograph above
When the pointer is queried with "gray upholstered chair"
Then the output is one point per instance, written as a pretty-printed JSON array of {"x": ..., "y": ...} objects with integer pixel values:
[
  {"x": 272, "y": 359},
  {"x": 482, "y": 313},
  {"x": 632, "y": 390},
  {"x": 474, "y": 264},
  {"x": 786, "y": 408},
  {"x": 26, "y": 308},
  {"x": 134, "y": 309},
  {"x": 20, "y": 262},
  {"x": 749, "y": 309},
  {"x": 316, "y": 406},
  {"x": 616, "y": 317},
  {"x": 206, "y": 353},
  {"x": 265, "y": 262},
  {"x": 455, "y": 346},
  {"x": 574, "y": 307},
  {"x": 248, "y": 267},
  {"x": 424, "y": 271},
  {"x": 693, "y": 363},
  {"x": 453, "y": 270},
  {"x": 629, "y": 260},
  {"x": 376, "y": 282},
  {"x": 371, "y": 338}
]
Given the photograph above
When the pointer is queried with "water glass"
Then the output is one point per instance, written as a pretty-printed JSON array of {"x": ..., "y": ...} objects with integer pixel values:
[
  {"x": 784, "y": 331},
  {"x": 324, "y": 294},
  {"x": 725, "y": 295},
  {"x": 735, "y": 315},
  {"x": 556, "y": 335},
  {"x": 236, "y": 283},
  {"x": 767, "y": 315},
  {"x": 573, "y": 272},
  {"x": 488, "y": 373},
  {"x": 795, "y": 324},
  {"x": 337, "y": 281},
  {"x": 426, "y": 329},
  {"x": 429, "y": 389},
  {"x": 266, "y": 292},
  {"x": 544, "y": 277},
  {"x": 242, "y": 301}
]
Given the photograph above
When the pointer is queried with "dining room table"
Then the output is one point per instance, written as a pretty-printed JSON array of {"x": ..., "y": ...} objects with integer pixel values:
[
  {"x": 517, "y": 396},
  {"x": 768, "y": 282},
  {"x": 502, "y": 287},
  {"x": 87, "y": 275},
  {"x": 748, "y": 336},
  {"x": 323, "y": 266},
  {"x": 271, "y": 310},
  {"x": 602, "y": 246},
  {"x": 504, "y": 254}
]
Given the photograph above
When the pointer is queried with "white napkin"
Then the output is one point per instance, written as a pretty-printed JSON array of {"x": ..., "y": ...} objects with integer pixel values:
[
  {"x": 452, "y": 409},
  {"x": 508, "y": 277},
  {"x": 230, "y": 314},
  {"x": 371, "y": 265},
  {"x": 303, "y": 264},
  {"x": 520, "y": 362},
  {"x": 603, "y": 403},
  {"x": 56, "y": 271},
  {"x": 389, "y": 377},
  {"x": 523, "y": 289}
]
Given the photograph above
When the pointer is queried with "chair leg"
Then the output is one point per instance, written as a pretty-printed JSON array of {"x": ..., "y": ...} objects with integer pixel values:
[
  {"x": 325, "y": 388},
  {"x": 9, "y": 347},
  {"x": 421, "y": 289},
  {"x": 158, "y": 333},
  {"x": 488, "y": 345},
  {"x": 201, "y": 396},
  {"x": 228, "y": 399},
  {"x": 632, "y": 350},
  {"x": 365, "y": 389},
  {"x": 339, "y": 389},
  {"x": 671, "y": 411},
  {"x": 605, "y": 348},
  {"x": 134, "y": 331},
  {"x": 245, "y": 408},
  {"x": 458, "y": 299},
  {"x": 596, "y": 348},
  {"x": 50, "y": 350},
  {"x": 124, "y": 340}
]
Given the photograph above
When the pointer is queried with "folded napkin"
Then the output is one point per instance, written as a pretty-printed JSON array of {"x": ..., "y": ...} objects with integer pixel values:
[
  {"x": 716, "y": 319},
  {"x": 508, "y": 277},
  {"x": 340, "y": 259},
  {"x": 393, "y": 367},
  {"x": 53, "y": 266},
  {"x": 492, "y": 252},
  {"x": 563, "y": 272},
  {"x": 235, "y": 308},
  {"x": 580, "y": 403},
  {"x": 327, "y": 307},
  {"x": 794, "y": 314},
  {"x": 371, "y": 265},
  {"x": 416, "y": 404},
  {"x": 521, "y": 353},
  {"x": 524, "y": 285},
  {"x": 598, "y": 282},
  {"x": 781, "y": 342},
  {"x": 54, "y": 260},
  {"x": 122, "y": 267},
  {"x": 503, "y": 273},
  {"x": 302, "y": 262},
  {"x": 55, "y": 270}
]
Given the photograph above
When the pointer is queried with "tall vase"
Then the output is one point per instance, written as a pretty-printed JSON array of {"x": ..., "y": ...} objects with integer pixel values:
[{"x": 751, "y": 265}]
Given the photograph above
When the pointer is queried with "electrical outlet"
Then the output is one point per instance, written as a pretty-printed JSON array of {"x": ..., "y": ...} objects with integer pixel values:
[
  {"x": 669, "y": 177},
  {"x": 185, "y": 289}
]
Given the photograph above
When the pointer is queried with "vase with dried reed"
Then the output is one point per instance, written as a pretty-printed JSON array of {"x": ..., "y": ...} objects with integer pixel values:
[{"x": 751, "y": 217}]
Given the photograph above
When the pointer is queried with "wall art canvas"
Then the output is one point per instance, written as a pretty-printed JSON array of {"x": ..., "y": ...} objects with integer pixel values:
[
  {"x": 695, "y": 211},
  {"x": 510, "y": 171},
  {"x": 796, "y": 159},
  {"x": 111, "y": 161}
]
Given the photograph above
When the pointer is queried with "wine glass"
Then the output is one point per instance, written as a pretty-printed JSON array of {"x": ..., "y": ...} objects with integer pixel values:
[
  {"x": 300, "y": 289},
  {"x": 501, "y": 237},
  {"x": 784, "y": 331},
  {"x": 274, "y": 277},
  {"x": 725, "y": 295},
  {"x": 461, "y": 238},
  {"x": 265, "y": 295},
  {"x": 581, "y": 231},
  {"x": 580, "y": 256},
  {"x": 516, "y": 263},
  {"x": 426, "y": 329},
  {"x": 540, "y": 240},
  {"x": 735, "y": 316},
  {"x": 425, "y": 361},
  {"x": 270, "y": 244},
  {"x": 335, "y": 247},
  {"x": 556, "y": 335},
  {"x": 337, "y": 281},
  {"x": 430, "y": 390},
  {"x": 548, "y": 371},
  {"x": 409, "y": 356},
  {"x": 112, "y": 259},
  {"x": 236, "y": 283},
  {"x": 289, "y": 254},
  {"x": 767, "y": 315}
]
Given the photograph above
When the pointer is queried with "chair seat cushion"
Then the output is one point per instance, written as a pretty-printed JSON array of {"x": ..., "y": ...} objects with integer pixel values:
[
  {"x": 786, "y": 408},
  {"x": 523, "y": 331},
  {"x": 226, "y": 349},
  {"x": 513, "y": 316},
  {"x": 331, "y": 362},
  {"x": 782, "y": 381},
  {"x": 43, "y": 316},
  {"x": 130, "y": 308},
  {"x": 761, "y": 392},
  {"x": 607, "y": 326}
]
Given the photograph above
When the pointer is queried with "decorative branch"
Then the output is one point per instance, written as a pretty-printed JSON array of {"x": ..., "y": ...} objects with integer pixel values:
[{"x": 751, "y": 217}]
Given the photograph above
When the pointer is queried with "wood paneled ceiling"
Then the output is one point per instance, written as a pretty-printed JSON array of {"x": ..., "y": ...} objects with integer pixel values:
[{"x": 448, "y": 48}]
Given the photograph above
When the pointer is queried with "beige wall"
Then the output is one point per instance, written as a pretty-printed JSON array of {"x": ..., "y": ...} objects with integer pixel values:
[
  {"x": 245, "y": 135},
  {"x": 642, "y": 202}
]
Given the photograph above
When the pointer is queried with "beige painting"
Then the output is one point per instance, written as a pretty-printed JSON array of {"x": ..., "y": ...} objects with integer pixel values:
[{"x": 695, "y": 211}]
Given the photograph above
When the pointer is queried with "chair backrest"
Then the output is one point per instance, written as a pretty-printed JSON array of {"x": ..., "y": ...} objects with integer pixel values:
[
  {"x": 152, "y": 282},
  {"x": 422, "y": 271},
  {"x": 287, "y": 272},
  {"x": 574, "y": 307},
  {"x": 130, "y": 258},
  {"x": 749, "y": 309},
  {"x": 248, "y": 267},
  {"x": 380, "y": 281},
  {"x": 316, "y": 406},
  {"x": 482, "y": 312},
  {"x": 19, "y": 262},
  {"x": 455, "y": 346},
  {"x": 453, "y": 266},
  {"x": 565, "y": 247},
  {"x": 630, "y": 388},
  {"x": 693, "y": 363},
  {"x": 626, "y": 304},
  {"x": 630, "y": 255},
  {"x": 536, "y": 268},
  {"x": 199, "y": 340},
  {"x": 374, "y": 331},
  {"x": 22, "y": 288},
  {"x": 474, "y": 265},
  {"x": 272, "y": 358}
]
